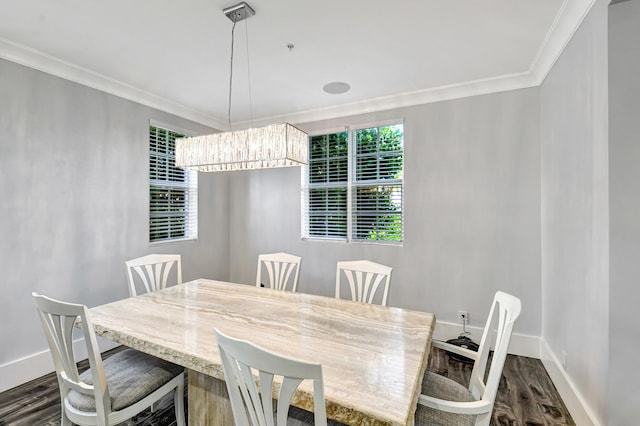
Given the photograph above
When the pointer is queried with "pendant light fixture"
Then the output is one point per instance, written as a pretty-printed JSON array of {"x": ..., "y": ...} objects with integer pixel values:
[{"x": 277, "y": 145}]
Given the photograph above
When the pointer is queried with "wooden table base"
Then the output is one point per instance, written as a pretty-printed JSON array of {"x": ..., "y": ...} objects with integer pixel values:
[{"x": 208, "y": 401}]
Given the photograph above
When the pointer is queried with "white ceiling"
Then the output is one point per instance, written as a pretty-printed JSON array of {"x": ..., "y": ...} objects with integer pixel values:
[{"x": 175, "y": 54}]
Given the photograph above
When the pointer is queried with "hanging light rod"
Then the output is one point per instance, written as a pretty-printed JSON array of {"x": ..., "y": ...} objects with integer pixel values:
[
  {"x": 239, "y": 12},
  {"x": 277, "y": 145}
]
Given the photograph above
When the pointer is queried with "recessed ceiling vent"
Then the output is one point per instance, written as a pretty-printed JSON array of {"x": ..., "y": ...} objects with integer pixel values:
[{"x": 336, "y": 88}]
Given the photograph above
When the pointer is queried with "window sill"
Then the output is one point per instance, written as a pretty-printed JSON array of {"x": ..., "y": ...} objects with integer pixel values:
[
  {"x": 177, "y": 240},
  {"x": 363, "y": 242}
]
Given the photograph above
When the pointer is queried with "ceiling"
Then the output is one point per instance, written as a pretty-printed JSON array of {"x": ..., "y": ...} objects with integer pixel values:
[{"x": 175, "y": 55}]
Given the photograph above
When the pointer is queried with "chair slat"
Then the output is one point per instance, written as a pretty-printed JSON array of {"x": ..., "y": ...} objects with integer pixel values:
[
  {"x": 59, "y": 322},
  {"x": 364, "y": 279},
  {"x": 241, "y": 357},
  {"x": 505, "y": 309},
  {"x": 279, "y": 267},
  {"x": 153, "y": 272}
]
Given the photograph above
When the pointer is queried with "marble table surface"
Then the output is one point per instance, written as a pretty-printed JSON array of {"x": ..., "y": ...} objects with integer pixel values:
[{"x": 373, "y": 357}]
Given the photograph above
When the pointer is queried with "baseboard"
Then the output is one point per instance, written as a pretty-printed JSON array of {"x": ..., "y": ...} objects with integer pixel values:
[
  {"x": 580, "y": 411},
  {"x": 521, "y": 344},
  {"x": 31, "y": 367},
  {"x": 535, "y": 347}
]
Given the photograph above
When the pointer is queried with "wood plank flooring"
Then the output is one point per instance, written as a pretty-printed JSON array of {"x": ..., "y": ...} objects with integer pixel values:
[{"x": 526, "y": 397}]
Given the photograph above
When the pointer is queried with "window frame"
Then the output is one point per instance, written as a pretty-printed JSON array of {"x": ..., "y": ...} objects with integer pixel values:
[
  {"x": 305, "y": 170},
  {"x": 191, "y": 186},
  {"x": 350, "y": 186}
]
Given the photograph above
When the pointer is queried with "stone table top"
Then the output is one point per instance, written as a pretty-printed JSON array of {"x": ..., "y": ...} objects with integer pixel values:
[{"x": 373, "y": 357}]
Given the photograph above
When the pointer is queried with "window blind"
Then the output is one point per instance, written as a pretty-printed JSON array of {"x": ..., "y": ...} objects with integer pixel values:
[
  {"x": 326, "y": 190},
  {"x": 353, "y": 185},
  {"x": 173, "y": 192},
  {"x": 378, "y": 184}
]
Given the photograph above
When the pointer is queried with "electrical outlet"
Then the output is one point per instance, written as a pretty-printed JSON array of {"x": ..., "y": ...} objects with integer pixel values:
[
  {"x": 463, "y": 317},
  {"x": 564, "y": 360}
]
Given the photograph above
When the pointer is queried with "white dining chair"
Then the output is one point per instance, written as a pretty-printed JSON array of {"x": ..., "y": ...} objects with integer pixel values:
[
  {"x": 444, "y": 401},
  {"x": 152, "y": 272},
  {"x": 365, "y": 278},
  {"x": 279, "y": 268},
  {"x": 110, "y": 391},
  {"x": 251, "y": 402}
]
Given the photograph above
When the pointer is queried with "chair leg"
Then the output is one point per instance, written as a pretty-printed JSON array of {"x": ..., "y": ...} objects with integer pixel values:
[
  {"x": 484, "y": 419},
  {"x": 65, "y": 420},
  {"x": 178, "y": 401}
]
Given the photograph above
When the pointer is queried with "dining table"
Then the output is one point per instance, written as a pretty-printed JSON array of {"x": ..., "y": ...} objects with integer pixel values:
[{"x": 373, "y": 357}]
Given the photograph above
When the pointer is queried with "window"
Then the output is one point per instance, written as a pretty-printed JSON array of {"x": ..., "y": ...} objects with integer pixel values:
[
  {"x": 173, "y": 192},
  {"x": 353, "y": 185},
  {"x": 327, "y": 186}
]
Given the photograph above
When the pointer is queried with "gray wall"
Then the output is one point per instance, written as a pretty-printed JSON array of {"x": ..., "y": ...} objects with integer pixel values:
[
  {"x": 624, "y": 158},
  {"x": 479, "y": 173},
  {"x": 74, "y": 191},
  {"x": 472, "y": 211},
  {"x": 575, "y": 223}
]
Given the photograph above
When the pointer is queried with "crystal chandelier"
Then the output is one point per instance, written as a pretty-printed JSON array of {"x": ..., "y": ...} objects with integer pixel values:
[{"x": 278, "y": 145}]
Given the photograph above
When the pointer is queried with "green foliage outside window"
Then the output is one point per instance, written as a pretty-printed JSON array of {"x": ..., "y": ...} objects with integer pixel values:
[
  {"x": 377, "y": 209},
  {"x": 328, "y": 174}
]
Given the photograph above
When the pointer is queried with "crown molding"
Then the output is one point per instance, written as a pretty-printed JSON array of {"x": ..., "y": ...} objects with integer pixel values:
[
  {"x": 437, "y": 94},
  {"x": 567, "y": 21},
  {"x": 40, "y": 61}
]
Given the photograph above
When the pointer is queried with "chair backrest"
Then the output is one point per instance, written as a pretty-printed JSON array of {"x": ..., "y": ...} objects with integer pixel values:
[
  {"x": 505, "y": 309},
  {"x": 58, "y": 320},
  {"x": 364, "y": 278},
  {"x": 239, "y": 357},
  {"x": 279, "y": 267},
  {"x": 152, "y": 271}
]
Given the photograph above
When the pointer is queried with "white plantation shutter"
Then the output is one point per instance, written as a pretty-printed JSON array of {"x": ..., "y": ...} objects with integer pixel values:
[
  {"x": 173, "y": 192},
  {"x": 328, "y": 215},
  {"x": 353, "y": 185},
  {"x": 326, "y": 187},
  {"x": 375, "y": 220},
  {"x": 378, "y": 184}
]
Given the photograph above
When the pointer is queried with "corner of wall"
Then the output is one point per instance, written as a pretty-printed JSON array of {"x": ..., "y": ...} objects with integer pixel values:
[{"x": 578, "y": 407}]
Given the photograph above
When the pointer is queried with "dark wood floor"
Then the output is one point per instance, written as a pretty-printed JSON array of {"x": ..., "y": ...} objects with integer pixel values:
[{"x": 526, "y": 397}]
